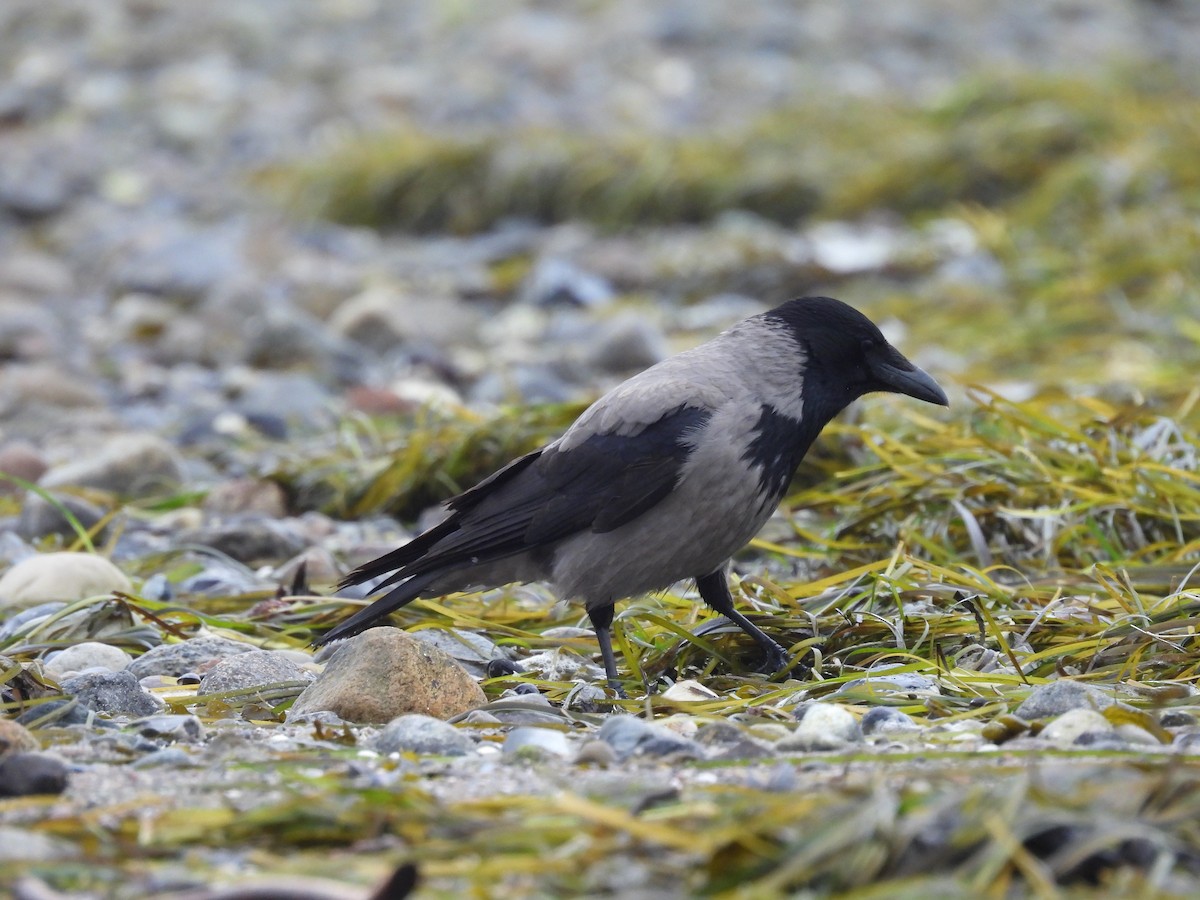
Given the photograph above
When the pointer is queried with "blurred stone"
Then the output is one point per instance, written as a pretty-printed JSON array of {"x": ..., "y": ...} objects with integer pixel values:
[
  {"x": 1058, "y": 697},
  {"x": 555, "y": 282},
  {"x": 179, "y": 262},
  {"x": 417, "y": 733},
  {"x": 247, "y": 495},
  {"x": 629, "y": 736},
  {"x": 15, "y": 738},
  {"x": 822, "y": 726},
  {"x": 39, "y": 517},
  {"x": 171, "y": 727},
  {"x": 113, "y": 693},
  {"x": 193, "y": 655},
  {"x": 60, "y": 576},
  {"x": 250, "y": 539},
  {"x": 28, "y": 331},
  {"x": 23, "y": 460},
  {"x": 27, "y": 774},
  {"x": 86, "y": 655},
  {"x": 887, "y": 720},
  {"x": 131, "y": 465},
  {"x": 545, "y": 741},
  {"x": 626, "y": 344},
  {"x": 384, "y": 673}
]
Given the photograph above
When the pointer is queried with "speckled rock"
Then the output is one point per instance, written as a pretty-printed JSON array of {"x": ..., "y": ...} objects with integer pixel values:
[
  {"x": 195, "y": 655},
  {"x": 114, "y": 693},
  {"x": 384, "y": 673},
  {"x": 254, "y": 668},
  {"x": 60, "y": 576}
]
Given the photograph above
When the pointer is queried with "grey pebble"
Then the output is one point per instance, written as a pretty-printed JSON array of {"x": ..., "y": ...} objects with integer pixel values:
[
  {"x": 886, "y": 720},
  {"x": 250, "y": 539},
  {"x": 186, "y": 656},
  {"x": 629, "y": 736},
  {"x": 1057, "y": 697},
  {"x": 418, "y": 733},
  {"x": 173, "y": 757},
  {"x": 172, "y": 727},
  {"x": 252, "y": 669},
  {"x": 23, "y": 774},
  {"x": 131, "y": 465},
  {"x": 114, "y": 693}
]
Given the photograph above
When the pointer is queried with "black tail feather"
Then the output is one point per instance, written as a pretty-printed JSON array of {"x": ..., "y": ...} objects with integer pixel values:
[{"x": 372, "y": 615}]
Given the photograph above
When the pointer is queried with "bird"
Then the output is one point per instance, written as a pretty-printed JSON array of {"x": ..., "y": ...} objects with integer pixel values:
[{"x": 662, "y": 479}]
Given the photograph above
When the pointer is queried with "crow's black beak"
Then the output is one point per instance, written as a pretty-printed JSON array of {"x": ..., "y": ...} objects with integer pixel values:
[{"x": 902, "y": 377}]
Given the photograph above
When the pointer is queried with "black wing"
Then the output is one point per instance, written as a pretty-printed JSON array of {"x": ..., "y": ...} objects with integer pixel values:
[{"x": 600, "y": 484}]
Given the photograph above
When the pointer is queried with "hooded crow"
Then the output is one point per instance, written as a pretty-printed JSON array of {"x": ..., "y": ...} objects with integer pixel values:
[{"x": 663, "y": 478}]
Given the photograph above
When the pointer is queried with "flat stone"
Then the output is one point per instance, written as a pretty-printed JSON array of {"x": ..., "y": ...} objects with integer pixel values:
[
  {"x": 87, "y": 655},
  {"x": 60, "y": 576},
  {"x": 384, "y": 673}
]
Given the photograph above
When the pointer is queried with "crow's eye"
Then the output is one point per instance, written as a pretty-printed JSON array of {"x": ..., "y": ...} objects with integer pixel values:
[{"x": 869, "y": 344}]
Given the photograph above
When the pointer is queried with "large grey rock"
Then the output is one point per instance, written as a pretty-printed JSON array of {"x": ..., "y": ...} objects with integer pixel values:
[
  {"x": 60, "y": 576},
  {"x": 384, "y": 673},
  {"x": 193, "y": 655},
  {"x": 255, "y": 668},
  {"x": 131, "y": 465},
  {"x": 114, "y": 693}
]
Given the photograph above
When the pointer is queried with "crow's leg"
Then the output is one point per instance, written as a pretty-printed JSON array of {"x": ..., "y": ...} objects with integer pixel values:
[
  {"x": 714, "y": 589},
  {"x": 602, "y": 617}
]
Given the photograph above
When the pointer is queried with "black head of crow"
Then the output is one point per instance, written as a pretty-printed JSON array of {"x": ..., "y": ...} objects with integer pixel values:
[{"x": 663, "y": 478}]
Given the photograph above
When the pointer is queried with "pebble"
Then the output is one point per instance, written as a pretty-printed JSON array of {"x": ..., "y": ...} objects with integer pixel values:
[
  {"x": 689, "y": 692},
  {"x": 822, "y": 726},
  {"x": 60, "y": 576},
  {"x": 171, "y": 727},
  {"x": 39, "y": 517},
  {"x": 384, "y": 673},
  {"x": 250, "y": 539},
  {"x": 1058, "y": 697},
  {"x": 417, "y": 733},
  {"x": 252, "y": 669},
  {"x": 246, "y": 495},
  {"x": 186, "y": 656},
  {"x": 528, "y": 740},
  {"x": 629, "y": 736},
  {"x": 86, "y": 655},
  {"x": 470, "y": 649},
  {"x": 113, "y": 693},
  {"x": 131, "y": 466},
  {"x": 16, "y": 738},
  {"x": 1071, "y": 726},
  {"x": 886, "y": 720},
  {"x": 23, "y": 774}
]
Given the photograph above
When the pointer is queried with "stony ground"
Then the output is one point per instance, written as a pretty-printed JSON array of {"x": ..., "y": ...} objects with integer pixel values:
[{"x": 188, "y": 365}]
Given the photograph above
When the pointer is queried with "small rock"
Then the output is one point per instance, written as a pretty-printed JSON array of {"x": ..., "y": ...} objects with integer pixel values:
[
  {"x": 384, "y": 673},
  {"x": 186, "y": 656},
  {"x": 21, "y": 459},
  {"x": 596, "y": 753},
  {"x": 627, "y": 344},
  {"x": 1134, "y": 734},
  {"x": 1058, "y": 697},
  {"x": 255, "y": 668},
  {"x": 689, "y": 692},
  {"x": 887, "y": 720},
  {"x": 88, "y": 655},
  {"x": 114, "y": 693},
  {"x": 417, "y": 733},
  {"x": 174, "y": 757},
  {"x": 473, "y": 651},
  {"x": 880, "y": 681},
  {"x": 60, "y": 576},
  {"x": 247, "y": 495},
  {"x": 628, "y": 735},
  {"x": 556, "y": 282},
  {"x": 24, "y": 774},
  {"x": 132, "y": 465},
  {"x": 823, "y": 726},
  {"x": 171, "y": 727},
  {"x": 558, "y": 665},
  {"x": 39, "y": 517},
  {"x": 62, "y": 712},
  {"x": 1074, "y": 723},
  {"x": 249, "y": 539},
  {"x": 537, "y": 740},
  {"x": 15, "y": 738},
  {"x": 182, "y": 264}
]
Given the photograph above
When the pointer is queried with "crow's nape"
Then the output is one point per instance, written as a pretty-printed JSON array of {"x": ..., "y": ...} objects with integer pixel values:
[
  {"x": 375, "y": 613},
  {"x": 714, "y": 590}
]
